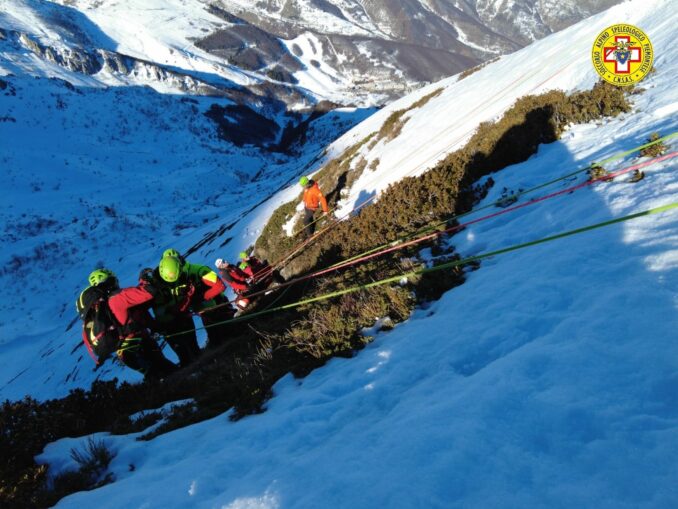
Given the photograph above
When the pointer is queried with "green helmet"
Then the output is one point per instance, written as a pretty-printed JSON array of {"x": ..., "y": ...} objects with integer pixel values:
[
  {"x": 98, "y": 276},
  {"x": 171, "y": 252},
  {"x": 170, "y": 268},
  {"x": 243, "y": 255},
  {"x": 303, "y": 181}
]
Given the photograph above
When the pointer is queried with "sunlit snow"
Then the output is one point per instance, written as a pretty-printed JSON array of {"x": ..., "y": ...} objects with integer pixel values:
[{"x": 548, "y": 379}]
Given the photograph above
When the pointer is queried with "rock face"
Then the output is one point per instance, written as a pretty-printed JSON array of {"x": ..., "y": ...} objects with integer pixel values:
[{"x": 84, "y": 62}]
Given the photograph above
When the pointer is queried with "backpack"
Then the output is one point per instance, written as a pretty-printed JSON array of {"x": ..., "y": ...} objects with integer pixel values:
[{"x": 100, "y": 331}]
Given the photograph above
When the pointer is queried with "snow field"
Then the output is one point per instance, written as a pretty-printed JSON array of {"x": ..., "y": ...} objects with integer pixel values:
[{"x": 546, "y": 380}]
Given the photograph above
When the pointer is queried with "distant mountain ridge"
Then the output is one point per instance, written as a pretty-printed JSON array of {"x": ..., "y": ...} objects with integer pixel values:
[
  {"x": 387, "y": 45},
  {"x": 276, "y": 62},
  {"x": 295, "y": 51}
]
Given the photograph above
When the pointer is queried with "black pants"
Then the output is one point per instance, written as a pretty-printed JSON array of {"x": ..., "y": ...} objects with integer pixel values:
[
  {"x": 180, "y": 335},
  {"x": 142, "y": 354},
  {"x": 309, "y": 226},
  {"x": 217, "y": 333}
]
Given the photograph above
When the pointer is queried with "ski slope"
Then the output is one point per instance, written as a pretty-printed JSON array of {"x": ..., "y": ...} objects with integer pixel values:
[{"x": 547, "y": 380}]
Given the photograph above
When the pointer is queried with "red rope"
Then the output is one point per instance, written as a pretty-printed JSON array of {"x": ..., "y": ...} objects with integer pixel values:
[{"x": 474, "y": 221}]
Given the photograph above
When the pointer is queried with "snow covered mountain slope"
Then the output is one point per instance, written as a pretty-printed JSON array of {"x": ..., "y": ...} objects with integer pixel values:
[
  {"x": 546, "y": 380},
  {"x": 105, "y": 169},
  {"x": 385, "y": 44},
  {"x": 297, "y": 51},
  {"x": 111, "y": 176},
  {"x": 127, "y": 45}
]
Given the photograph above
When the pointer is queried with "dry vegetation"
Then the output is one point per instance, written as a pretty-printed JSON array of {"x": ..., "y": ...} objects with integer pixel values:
[
  {"x": 655, "y": 150},
  {"x": 472, "y": 70}
]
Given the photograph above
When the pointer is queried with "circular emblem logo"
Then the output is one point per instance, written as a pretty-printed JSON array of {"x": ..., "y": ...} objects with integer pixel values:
[{"x": 622, "y": 54}]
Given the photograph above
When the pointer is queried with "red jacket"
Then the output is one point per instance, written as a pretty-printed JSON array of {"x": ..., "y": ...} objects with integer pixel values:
[
  {"x": 126, "y": 306},
  {"x": 202, "y": 277},
  {"x": 313, "y": 197},
  {"x": 215, "y": 286},
  {"x": 236, "y": 278}
]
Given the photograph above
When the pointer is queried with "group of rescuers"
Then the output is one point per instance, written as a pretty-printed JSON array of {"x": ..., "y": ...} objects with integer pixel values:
[{"x": 175, "y": 291}]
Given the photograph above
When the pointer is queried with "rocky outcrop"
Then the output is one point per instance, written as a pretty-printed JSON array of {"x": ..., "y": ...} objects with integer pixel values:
[{"x": 82, "y": 61}]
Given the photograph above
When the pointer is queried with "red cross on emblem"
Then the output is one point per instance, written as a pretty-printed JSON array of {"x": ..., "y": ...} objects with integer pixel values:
[{"x": 622, "y": 65}]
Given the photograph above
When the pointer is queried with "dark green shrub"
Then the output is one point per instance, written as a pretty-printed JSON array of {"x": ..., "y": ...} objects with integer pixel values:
[
  {"x": 333, "y": 327},
  {"x": 393, "y": 125}
]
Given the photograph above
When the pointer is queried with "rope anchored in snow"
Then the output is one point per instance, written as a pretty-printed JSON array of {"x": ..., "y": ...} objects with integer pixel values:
[{"x": 431, "y": 228}]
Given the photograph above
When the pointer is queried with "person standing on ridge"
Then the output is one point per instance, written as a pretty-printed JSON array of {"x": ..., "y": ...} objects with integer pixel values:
[{"x": 313, "y": 199}]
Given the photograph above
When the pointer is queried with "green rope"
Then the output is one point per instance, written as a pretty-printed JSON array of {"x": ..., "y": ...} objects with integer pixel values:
[
  {"x": 432, "y": 228},
  {"x": 129, "y": 344},
  {"x": 449, "y": 265}
]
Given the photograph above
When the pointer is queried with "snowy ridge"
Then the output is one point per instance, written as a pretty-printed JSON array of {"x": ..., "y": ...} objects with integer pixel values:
[
  {"x": 546, "y": 380},
  {"x": 125, "y": 28},
  {"x": 560, "y": 62},
  {"x": 374, "y": 51}
]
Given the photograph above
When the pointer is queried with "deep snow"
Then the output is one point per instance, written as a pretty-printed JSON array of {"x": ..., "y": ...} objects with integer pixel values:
[{"x": 547, "y": 380}]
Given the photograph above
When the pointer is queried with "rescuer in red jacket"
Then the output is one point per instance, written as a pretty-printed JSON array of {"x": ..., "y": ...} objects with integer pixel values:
[
  {"x": 237, "y": 279},
  {"x": 137, "y": 349}
]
